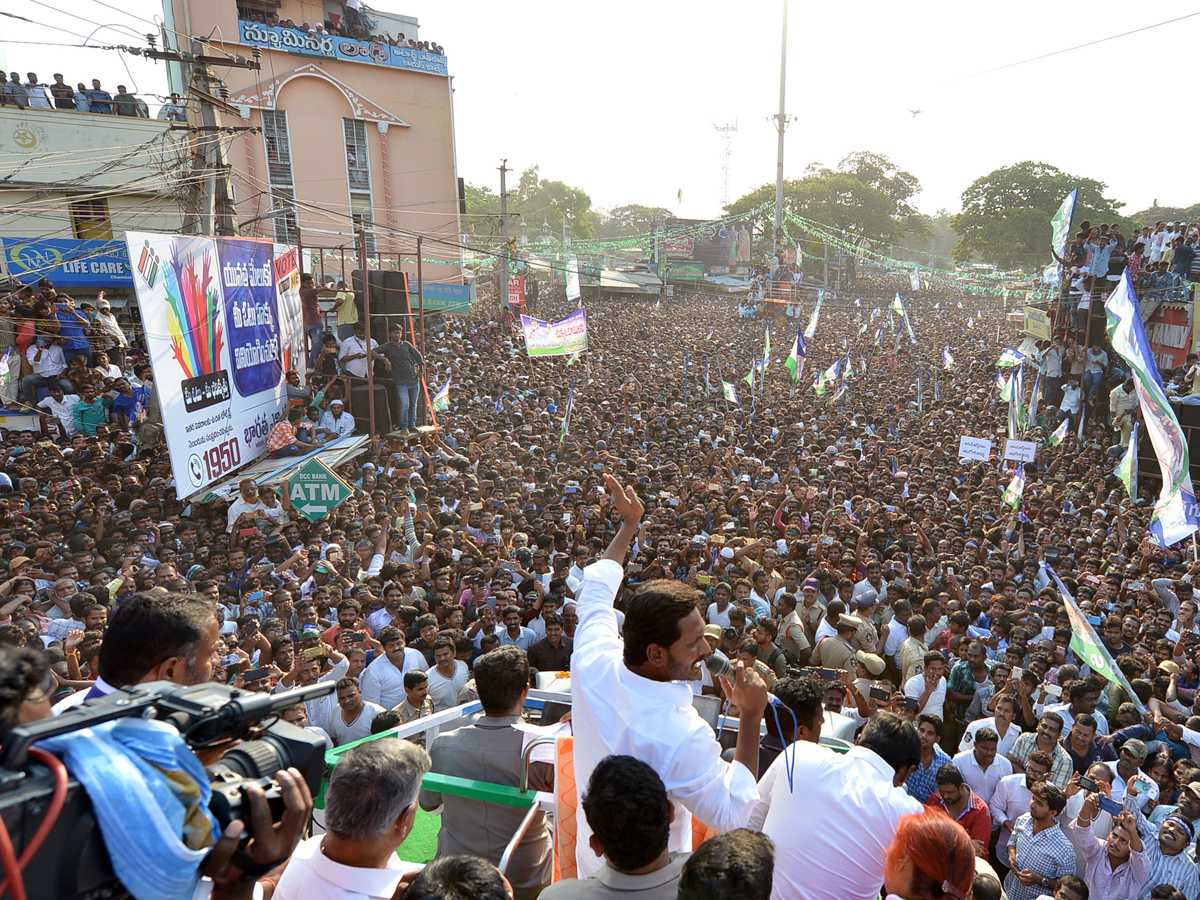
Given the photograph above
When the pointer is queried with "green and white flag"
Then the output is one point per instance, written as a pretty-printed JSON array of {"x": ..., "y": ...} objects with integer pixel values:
[
  {"x": 1085, "y": 643},
  {"x": 1016, "y": 487},
  {"x": 795, "y": 361},
  {"x": 1127, "y": 470},
  {"x": 1060, "y": 225},
  {"x": 441, "y": 400},
  {"x": 1010, "y": 357},
  {"x": 1060, "y": 433},
  {"x": 828, "y": 377},
  {"x": 898, "y": 304},
  {"x": 1175, "y": 514},
  {"x": 1006, "y": 388},
  {"x": 731, "y": 393}
]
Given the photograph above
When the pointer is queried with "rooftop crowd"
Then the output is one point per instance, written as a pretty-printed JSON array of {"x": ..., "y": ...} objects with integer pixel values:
[
  {"x": 32, "y": 93},
  {"x": 833, "y": 547}
]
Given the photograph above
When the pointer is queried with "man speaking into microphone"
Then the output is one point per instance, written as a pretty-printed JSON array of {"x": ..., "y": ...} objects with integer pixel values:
[{"x": 632, "y": 697}]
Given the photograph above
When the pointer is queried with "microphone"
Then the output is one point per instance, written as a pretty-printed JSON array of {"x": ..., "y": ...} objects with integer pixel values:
[{"x": 718, "y": 665}]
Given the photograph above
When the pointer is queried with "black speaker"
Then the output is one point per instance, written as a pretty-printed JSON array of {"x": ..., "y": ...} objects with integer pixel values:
[{"x": 362, "y": 412}]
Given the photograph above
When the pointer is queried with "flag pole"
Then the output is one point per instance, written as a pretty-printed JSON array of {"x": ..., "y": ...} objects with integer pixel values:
[
  {"x": 721, "y": 378},
  {"x": 685, "y": 376}
]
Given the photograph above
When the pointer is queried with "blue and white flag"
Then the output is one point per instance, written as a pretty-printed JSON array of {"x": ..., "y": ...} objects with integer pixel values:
[
  {"x": 567, "y": 415},
  {"x": 1175, "y": 514},
  {"x": 1127, "y": 470},
  {"x": 1016, "y": 487},
  {"x": 947, "y": 359},
  {"x": 812, "y": 322},
  {"x": 708, "y": 384},
  {"x": 1060, "y": 433},
  {"x": 1010, "y": 357},
  {"x": 441, "y": 400}
]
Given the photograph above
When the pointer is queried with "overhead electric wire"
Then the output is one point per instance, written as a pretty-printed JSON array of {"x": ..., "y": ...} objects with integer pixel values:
[{"x": 1103, "y": 40}]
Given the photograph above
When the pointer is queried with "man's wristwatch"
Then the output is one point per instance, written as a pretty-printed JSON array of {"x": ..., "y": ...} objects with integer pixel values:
[{"x": 1045, "y": 882}]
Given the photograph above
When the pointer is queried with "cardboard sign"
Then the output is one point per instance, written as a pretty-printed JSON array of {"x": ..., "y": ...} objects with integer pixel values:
[
  {"x": 1037, "y": 323},
  {"x": 974, "y": 448},
  {"x": 1022, "y": 451}
]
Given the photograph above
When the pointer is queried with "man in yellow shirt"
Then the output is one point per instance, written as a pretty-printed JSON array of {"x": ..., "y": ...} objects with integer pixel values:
[{"x": 346, "y": 309}]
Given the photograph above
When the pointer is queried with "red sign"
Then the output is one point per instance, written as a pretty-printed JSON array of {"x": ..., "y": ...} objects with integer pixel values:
[
  {"x": 516, "y": 291},
  {"x": 678, "y": 247},
  {"x": 1170, "y": 333}
]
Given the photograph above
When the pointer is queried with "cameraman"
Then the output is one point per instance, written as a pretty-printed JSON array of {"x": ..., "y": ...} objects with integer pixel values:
[{"x": 171, "y": 637}]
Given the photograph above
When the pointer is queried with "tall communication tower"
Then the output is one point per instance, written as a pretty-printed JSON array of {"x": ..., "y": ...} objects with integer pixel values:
[{"x": 726, "y": 130}]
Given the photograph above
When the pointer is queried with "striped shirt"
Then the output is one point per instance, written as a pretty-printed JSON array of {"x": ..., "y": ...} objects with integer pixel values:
[
  {"x": 1179, "y": 870},
  {"x": 1062, "y": 770},
  {"x": 1102, "y": 879},
  {"x": 923, "y": 782},
  {"x": 1049, "y": 853}
]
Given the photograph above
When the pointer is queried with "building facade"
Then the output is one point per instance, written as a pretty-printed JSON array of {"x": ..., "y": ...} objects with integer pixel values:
[{"x": 356, "y": 125}]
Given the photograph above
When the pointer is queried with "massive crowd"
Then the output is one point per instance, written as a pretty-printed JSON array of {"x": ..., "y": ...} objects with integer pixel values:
[{"x": 833, "y": 547}]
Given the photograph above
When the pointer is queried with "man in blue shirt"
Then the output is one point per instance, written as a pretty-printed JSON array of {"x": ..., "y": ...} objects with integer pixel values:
[
  {"x": 71, "y": 323},
  {"x": 99, "y": 101}
]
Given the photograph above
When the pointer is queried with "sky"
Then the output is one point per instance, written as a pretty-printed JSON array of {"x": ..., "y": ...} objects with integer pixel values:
[{"x": 620, "y": 99}]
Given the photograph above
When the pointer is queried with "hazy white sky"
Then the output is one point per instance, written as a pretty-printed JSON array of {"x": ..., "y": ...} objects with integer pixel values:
[{"x": 620, "y": 98}]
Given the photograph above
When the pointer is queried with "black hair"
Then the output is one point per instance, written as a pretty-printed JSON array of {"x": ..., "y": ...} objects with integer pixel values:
[
  {"x": 147, "y": 630},
  {"x": 739, "y": 863},
  {"x": 803, "y": 696},
  {"x": 627, "y": 809},
  {"x": 413, "y": 678},
  {"x": 501, "y": 677},
  {"x": 458, "y": 878},
  {"x": 948, "y": 774},
  {"x": 21, "y": 670},
  {"x": 893, "y": 738},
  {"x": 654, "y": 615}
]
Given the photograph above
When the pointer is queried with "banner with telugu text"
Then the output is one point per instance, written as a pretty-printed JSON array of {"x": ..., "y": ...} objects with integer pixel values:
[
  {"x": 560, "y": 338},
  {"x": 223, "y": 326}
]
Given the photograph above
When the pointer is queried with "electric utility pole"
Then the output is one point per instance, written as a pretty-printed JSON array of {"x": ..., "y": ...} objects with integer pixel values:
[
  {"x": 781, "y": 123},
  {"x": 502, "y": 281}
]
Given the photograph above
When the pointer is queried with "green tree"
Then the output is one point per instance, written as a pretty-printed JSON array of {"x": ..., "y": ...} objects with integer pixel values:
[
  {"x": 535, "y": 199},
  {"x": 1005, "y": 218},
  {"x": 1158, "y": 213},
  {"x": 632, "y": 220},
  {"x": 866, "y": 196}
]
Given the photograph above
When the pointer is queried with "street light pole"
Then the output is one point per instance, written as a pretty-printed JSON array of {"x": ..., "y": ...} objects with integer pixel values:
[{"x": 781, "y": 124}]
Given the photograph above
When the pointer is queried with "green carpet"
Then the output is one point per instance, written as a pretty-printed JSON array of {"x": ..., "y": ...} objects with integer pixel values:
[{"x": 421, "y": 844}]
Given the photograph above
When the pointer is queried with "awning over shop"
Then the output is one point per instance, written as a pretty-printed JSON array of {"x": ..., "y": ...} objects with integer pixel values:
[{"x": 273, "y": 470}]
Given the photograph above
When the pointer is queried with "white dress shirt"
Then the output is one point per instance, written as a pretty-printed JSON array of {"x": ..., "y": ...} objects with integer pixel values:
[
  {"x": 353, "y": 346},
  {"x": 1008, "y": 803},
  {"x": 383, "y": 683},
  {"x": 616, "y": 711},
  {"x": 311, "y": 875},
  {"x": 833, "y": 826},
  {"x": 340, "y": 425},
  {"x": 1064, "y": 710},
  {"x": 1005, "y": 744},
  {"x": 982, "y": 781},
  {"x": 321, "y": 710},
  {"x": 915, "y": 687},
  {"x": 64, "y": 411}
]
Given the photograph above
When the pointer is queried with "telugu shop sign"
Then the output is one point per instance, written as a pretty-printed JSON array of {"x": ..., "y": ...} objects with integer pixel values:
[{"x": 332, "y": 47}]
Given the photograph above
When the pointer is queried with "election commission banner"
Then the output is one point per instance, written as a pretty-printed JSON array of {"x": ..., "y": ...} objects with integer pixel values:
[
  {"x": 223, "y": 326},
  {"x": 560, "y": 338}
]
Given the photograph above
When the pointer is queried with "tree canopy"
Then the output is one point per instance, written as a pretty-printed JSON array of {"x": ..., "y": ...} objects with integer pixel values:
[
  {"x": 1005, "y": 218},
  {"x": 537, "y": 200},
  {"x": 632, "y": 220},
  {"x": 867, "y": 195}
]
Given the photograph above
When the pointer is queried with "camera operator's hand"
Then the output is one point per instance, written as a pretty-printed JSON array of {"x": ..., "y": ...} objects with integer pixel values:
[{"x": 270, "y": 842}]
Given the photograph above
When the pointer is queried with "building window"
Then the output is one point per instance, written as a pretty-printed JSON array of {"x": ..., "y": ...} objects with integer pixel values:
[
  {"x": 360, "y": 212},
  {"x": 358, "y": 175},
  {"x": 91, "y": 221},
  {"x": 358, "y": 166},
  {"x": 279, "y": 172},
  {"x": 287, "y": 228}
]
